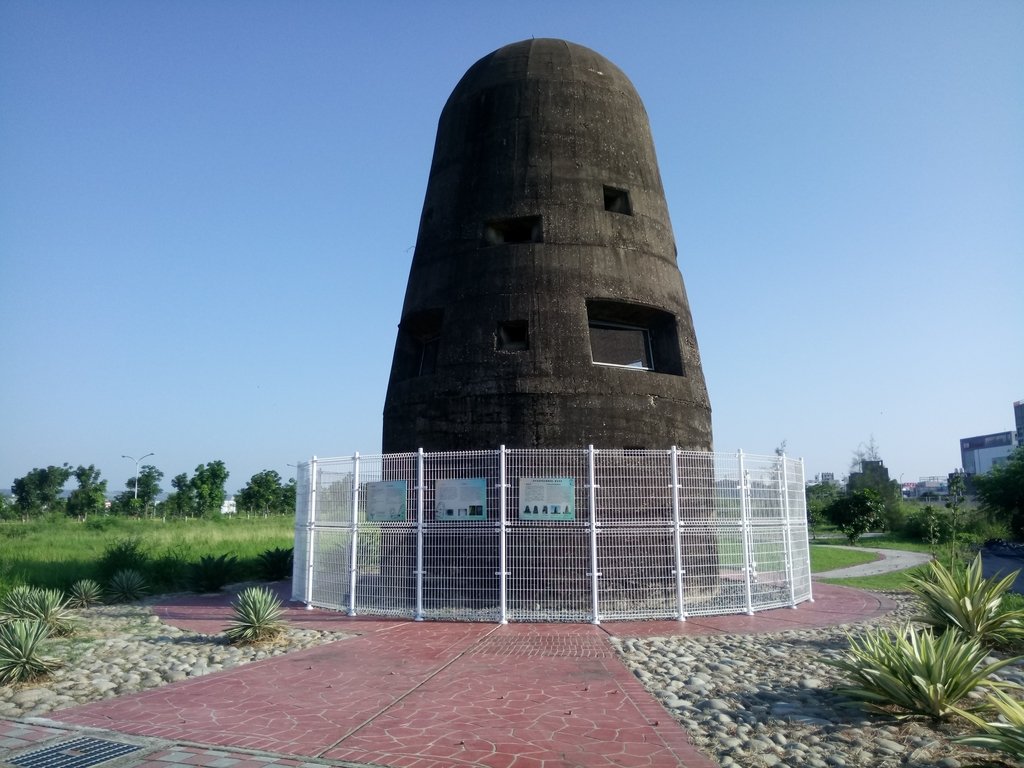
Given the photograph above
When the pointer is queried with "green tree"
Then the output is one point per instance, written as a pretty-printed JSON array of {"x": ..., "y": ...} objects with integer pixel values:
[
  {"x": 856, "y": 514},
  {"x": 208, "y": 487},
  {"x": 819, "y": 497},
  {"x": 262, "y": 494},
  {"x": 287, "y": 503},
  {"x": 90, "y": 496},
  {"x": 39, "y": 491},
  {"x": 1001, "y": 491},
  {"x": 181, "y": 503},
  {"x": 148, "y": 486}
]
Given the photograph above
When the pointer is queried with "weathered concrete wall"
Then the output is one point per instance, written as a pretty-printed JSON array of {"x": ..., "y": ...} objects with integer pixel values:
[{"x": 544, "y": 217}]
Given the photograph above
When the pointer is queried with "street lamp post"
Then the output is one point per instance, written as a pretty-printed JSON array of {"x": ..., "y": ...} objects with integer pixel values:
[{"x": 132, "y": 458}]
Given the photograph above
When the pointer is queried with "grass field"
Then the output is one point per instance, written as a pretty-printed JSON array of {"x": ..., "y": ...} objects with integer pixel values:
[
  {"x": 826, "y": 558},
  {"x": 55, "y": 552}
]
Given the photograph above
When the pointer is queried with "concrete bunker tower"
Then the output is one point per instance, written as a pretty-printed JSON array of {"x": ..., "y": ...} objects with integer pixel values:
[{"x": 544, "y": 307}]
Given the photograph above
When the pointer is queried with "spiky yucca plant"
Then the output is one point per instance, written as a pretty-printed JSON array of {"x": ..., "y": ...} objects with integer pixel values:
[
  {"x": 256, "y": 618},
  {"x": 211, "y": 573},
  {"x": 20, "y": 659},
  {"x": 916, "y": 672},
  {"x": 85, "y": 592},
  {"x": 126, "y": 586},
  {"x": 962, "y": 599},
  {"x": 48, "y": 606},
  {"x": 275, "y": 564},
  {"x": 15, "y": 604},
  {"x": 1005, "y": 735}
]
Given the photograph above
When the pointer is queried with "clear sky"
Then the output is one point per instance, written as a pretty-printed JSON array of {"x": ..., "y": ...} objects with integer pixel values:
[{"x": 208, "y": 210}]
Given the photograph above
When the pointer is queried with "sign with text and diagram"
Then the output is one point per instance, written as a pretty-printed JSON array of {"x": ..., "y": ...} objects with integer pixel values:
[
  {"x": 547, "y": 498},
  {"x": 461, "y": 499},
  {"x": 386, "y": 501}
]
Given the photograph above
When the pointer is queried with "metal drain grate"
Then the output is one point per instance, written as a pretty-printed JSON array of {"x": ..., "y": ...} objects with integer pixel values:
[{"x": 74, "y": 754}]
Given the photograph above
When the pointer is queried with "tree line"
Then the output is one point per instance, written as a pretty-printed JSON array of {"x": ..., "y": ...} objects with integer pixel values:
[{"x": 41, "y": 492}]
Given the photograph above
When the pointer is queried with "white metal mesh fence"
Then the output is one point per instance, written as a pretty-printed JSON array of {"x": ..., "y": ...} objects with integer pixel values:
[{"x": 551, "y": 535}]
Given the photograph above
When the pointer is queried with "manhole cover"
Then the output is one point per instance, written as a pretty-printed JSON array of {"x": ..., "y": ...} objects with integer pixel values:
[{"x": 74, "y": 754}]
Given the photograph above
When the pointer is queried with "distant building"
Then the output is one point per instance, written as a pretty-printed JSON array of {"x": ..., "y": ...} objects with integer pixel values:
[
  {"x": 1018, "y": 419},
  {"x": 228, "y": 507},
  {"x": 979, "y": 454},
  {"x": 828, "y": 477}
]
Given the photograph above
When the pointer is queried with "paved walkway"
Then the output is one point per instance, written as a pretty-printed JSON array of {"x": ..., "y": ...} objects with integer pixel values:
[
  {"x": 412, "y": 695},
  {"x": 888, "y": 560}
]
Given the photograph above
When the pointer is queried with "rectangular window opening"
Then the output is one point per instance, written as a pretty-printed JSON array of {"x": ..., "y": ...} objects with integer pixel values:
[
  {"x": 512, "y": 336},
  {"x": 617, "y": 201},
  {"x": 524, "y": 229},
  {"x": 624, "y": 345}
]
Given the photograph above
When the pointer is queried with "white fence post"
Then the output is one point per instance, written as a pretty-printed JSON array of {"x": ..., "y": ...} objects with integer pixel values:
[
  {"x": 677, "y": 534},
  {"x": 420, "y": 483},
  {"x": 310, "y": 532},
  {"x": 807, "y": 537},
  {"x": 787, "y": 531},
  {"x": 748, "y": 559},
  {"x": 502, "y": 541},
  {"x": 353, "y": 566},
  {"x": 595, "y": 603}
]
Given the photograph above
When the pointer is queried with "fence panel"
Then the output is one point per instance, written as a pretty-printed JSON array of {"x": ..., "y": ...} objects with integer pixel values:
[{"x": 552, "y": 535}]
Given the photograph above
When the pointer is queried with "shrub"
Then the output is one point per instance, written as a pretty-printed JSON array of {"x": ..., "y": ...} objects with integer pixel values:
[
  {"x": 171, "y": 570},
  {"x": 275, "y": 564},
  {"x": 48, "y": 606},
  {"x": 211, "y": 573},
  {"x": 961, "y": 598},
  {"x": 256, "y": 618},
  {"x": 126, "y": 586},
  {"x": 915, "y": 672},
  {"x": 16, "y": 604},
  {"x": 84, "y": 592},
  {"x": 20, "y": 659},
  {"x": 1005, "y": 735},
  {"x": 127, "y": 554}
]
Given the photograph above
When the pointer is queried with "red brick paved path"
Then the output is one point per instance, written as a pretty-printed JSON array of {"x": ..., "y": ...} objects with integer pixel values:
[{"x": 433, "y": 694}]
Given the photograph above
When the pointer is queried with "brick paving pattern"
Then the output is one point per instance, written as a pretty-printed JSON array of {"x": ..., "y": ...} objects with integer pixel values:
[{"x": 419, "y": 695}]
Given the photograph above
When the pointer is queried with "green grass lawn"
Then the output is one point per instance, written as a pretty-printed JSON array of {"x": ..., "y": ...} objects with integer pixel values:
[
  {"x": 828, "y": 558},
  {"x": 55, "y": 552}
]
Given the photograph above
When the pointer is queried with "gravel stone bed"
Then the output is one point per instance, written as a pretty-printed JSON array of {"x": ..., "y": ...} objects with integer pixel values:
[
  {"x": 121, "y": 649},
  {"x": 767, "y": 700},
  {"x": 748, "y": 701}
]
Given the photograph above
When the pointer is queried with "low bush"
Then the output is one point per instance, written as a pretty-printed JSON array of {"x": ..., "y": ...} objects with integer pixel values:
[
  {"x": 915, "y": 672},
  {"x": 126, "y": 554},
  {"x": 962, "y": 599},
  {"x": 256, "y": 618},
  {"x": 275, "y": 564},
  {"x": 85, "y": 592},
  {"x": 20, "y": 657},
  {"x": 126, "y": 586},
  {"x": 1004, "y": 735},
  {"x": 211, "y": 573}
]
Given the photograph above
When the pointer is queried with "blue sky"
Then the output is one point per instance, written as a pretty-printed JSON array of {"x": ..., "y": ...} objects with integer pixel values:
[{"x": 208, "y": 210}]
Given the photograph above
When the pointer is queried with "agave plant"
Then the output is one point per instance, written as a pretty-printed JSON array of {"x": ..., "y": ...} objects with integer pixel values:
[
  {"x": 1005, "y": 735},
  {"x": 16, "y": 604},
  {"x": 962, "y": 599},
  {"x": 256, "y": 618},
  {"x": 85, "y": 592},
  {"x": 917, "y": 672},
  {"x": 275, "y": 564},
  {"x": 126, "y": 586},
  {"x": 50, "y": 607},
  {"x": 20, "y": 659},
  {"x": 211, "y": 573}
]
